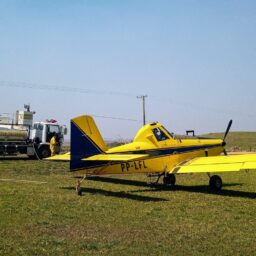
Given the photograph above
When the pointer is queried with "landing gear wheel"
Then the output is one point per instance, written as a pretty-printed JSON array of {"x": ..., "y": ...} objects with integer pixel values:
[
  {"x": 215, "y": 183},
  {"x": 169, "y": 180}
]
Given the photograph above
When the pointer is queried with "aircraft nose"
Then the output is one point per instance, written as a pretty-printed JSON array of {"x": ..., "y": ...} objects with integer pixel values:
[{"x": 224, "y": 143}]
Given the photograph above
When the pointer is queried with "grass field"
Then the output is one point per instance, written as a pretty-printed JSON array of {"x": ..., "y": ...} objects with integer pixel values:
[
  {"x": 243, "y": 140},
  {"x": 122, "y": 215}
]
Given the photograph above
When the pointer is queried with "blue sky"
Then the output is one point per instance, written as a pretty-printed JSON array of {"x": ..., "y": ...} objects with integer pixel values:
[{"x": 194, "y": 59}]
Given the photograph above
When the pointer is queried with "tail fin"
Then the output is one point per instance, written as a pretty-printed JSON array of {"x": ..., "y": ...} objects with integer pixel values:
[{"x": 86, "y": 140}]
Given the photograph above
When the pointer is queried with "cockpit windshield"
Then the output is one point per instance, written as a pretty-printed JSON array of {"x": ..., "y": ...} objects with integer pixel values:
[
  {"x": 159, "y": 134},
  {"x": 170, "y": 134},
  {"x": 162, "y": 134}
]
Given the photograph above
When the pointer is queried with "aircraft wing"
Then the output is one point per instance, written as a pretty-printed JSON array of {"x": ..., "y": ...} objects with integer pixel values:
[
  {"x": 232, "y": 163},
  {"x": 115, "y": 157}
]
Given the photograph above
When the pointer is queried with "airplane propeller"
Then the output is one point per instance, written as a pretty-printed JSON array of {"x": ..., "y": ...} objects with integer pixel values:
[
  {"x": 224, "y": 138},
  {"x": 227, "y": 131}
]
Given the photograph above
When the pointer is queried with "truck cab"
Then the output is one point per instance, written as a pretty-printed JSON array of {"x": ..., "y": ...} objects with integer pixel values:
[{"x": 41, "y": 134}]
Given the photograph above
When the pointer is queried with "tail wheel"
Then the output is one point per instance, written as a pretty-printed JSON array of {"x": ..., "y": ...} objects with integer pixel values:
[
  {"x": 169, "y": 179},
  {"x": 215, "y": 183}
]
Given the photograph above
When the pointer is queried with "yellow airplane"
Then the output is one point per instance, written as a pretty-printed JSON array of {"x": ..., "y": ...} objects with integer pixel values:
[{"x": 154, "y": 151}]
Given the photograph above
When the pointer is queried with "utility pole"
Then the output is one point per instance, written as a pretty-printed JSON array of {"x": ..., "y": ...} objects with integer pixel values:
[{"x": 143, "y": 102}]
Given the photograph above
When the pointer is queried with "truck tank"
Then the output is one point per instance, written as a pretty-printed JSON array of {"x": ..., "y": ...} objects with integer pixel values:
[{"x": 13, "y": 135}]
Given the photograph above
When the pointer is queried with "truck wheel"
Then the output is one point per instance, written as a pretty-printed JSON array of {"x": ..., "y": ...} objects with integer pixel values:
[
  {"x": 32, "y": 157},
  {"x": 44, "y": 152}
]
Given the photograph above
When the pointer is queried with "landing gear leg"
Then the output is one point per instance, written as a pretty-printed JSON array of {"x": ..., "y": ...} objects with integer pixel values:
[
  {"x": 215, "y": 183},
  {"x": 78, "y": 186},
  {"x": 155, "y": 175},
  {"x": 169, "y": 180}
]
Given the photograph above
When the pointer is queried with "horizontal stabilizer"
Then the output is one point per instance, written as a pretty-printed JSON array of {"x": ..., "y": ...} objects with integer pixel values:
[
  {"x": 217, "y": 164},
  {"x": 63, "y": 157},
  {"x": 115, "y": 157}
]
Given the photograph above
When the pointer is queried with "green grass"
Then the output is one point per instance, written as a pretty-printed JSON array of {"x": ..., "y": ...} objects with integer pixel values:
[
  {"x": 122, "y": 215},
  {"x": 242, "y": 140}
]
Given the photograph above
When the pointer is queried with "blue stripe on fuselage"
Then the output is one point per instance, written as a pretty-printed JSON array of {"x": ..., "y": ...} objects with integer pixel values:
[
  {"x": 180, "y": 150},
  {"x": 152, "y": 153}
]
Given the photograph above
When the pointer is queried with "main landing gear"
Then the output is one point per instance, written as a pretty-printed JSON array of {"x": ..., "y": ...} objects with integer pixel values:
[
  {"x": 169, "y": 180},
  {"x": 215, "y": 183}
]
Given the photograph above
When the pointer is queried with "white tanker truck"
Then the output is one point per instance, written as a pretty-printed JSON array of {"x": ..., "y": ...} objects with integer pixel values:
[{"x": 22, "y": 136}]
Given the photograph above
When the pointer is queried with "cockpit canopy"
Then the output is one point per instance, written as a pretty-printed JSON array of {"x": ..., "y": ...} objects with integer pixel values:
[
  {"x": 161, "y": 133},
  {"x": 154, "y": 131}
]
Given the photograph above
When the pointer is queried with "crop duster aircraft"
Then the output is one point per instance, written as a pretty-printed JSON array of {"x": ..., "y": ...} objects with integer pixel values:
[{"x": 154, "y": 151}]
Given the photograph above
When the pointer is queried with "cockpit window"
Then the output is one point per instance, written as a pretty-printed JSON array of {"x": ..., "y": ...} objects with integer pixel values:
[
  {"x": 160, "y": 136},
  {"x": 170, "y": 134}
]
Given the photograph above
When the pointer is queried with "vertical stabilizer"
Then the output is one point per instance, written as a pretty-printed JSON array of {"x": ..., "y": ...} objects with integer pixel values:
[{"x": 86, "y": 140}]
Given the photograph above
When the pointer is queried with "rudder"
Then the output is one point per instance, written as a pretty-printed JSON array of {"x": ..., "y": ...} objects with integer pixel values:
[{"x": 86, "y": 140}]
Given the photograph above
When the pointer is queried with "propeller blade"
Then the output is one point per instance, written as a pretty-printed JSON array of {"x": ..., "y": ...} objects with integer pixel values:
[{"x": 227, "y": 131}]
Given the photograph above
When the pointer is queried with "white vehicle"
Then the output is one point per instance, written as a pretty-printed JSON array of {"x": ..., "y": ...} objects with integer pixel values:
[{"x": 25, "y": 137}]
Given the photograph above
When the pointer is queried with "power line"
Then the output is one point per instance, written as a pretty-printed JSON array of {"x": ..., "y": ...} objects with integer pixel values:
[
  {"x": 12, "y": 84},
  {"x": 196, "y": 106},
  {"x": 70, "y": 89},
  {"x": 117, "y": 118},
  {"x": 36, "y": 86}
]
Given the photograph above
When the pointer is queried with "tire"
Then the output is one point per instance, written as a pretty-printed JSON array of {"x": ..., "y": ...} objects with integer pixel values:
[
  {"x": 215, "y": 183},
  {"x": 44, "y": 152},
  {"x": 32, "y": 157},
  {"x": 169, "y": 180}
]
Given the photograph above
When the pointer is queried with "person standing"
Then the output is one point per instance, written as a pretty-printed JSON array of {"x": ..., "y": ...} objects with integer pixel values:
[{"x": 53, "y": 143}]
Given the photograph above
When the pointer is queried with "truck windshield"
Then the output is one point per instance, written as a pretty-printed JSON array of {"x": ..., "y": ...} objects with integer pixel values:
[{"x": 53, "y": 129}]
